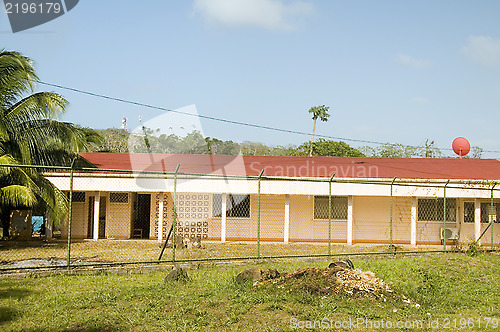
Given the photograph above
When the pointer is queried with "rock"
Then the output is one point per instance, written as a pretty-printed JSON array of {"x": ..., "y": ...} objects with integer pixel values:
[
  {"x": 343, "y": 263},
  {"x": 177, "y": 274},
  {"x": 256, "y": 275},
  {"x": 179, "y": 242},
  {"x": 197, "y": 242},
  {"x": 188, "y": 244}
]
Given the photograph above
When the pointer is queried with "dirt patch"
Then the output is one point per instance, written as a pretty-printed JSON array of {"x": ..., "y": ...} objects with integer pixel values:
[{"x": 331, "y": 281}]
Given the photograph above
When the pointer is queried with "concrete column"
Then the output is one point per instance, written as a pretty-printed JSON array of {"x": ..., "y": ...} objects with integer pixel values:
[
  {"x": 223, "y": 218},
  {"x": 97, "y": 199},
  {"x": 160, "y": 217},
  {"x": 477, "y": 219},
  {"x": 286, "y": 231},
  {"x": 349, "y": 220},
  {"x": 413, "y": 235}
]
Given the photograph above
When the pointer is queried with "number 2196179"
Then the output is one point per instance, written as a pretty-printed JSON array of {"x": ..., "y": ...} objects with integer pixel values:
[{"x": 33, "y": 8}]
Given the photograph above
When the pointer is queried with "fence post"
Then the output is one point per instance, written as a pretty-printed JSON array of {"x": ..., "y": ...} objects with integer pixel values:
[
  {"x": 174, "y": 209},
  {"x": 492, "y": 207},
  {"x": 330, "y": 215},
  {"x": 258, "y": 214},
  {"x": 444, "y": 214},
  {"x": 391, "y": 245},
  {"x": 70, "y": 211}
]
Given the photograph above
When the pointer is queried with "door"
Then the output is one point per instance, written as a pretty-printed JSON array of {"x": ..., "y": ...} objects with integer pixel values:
[
  {"x": 102, "y": 217},
  {"x": 90, "y": 224},
  {"x": 142, "y": 220}
]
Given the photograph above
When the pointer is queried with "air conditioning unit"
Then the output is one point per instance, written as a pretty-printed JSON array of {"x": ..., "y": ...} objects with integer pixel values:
[{"x": 451, "y": 233}]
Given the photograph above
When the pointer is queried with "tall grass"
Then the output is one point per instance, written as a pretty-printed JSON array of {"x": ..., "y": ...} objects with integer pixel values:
[{"x": 444, "y": 286}]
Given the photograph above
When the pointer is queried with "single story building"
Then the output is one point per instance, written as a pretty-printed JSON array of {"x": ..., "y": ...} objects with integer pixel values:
[{"x": 217, "y": 198}]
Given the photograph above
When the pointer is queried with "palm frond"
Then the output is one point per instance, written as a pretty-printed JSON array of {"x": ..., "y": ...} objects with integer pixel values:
[
  {"x": 37, "y": 141},
  {"x": 39, "y": 105},
  {"x": 17, "y": 195},
  {"x": 17, "y": 76}
]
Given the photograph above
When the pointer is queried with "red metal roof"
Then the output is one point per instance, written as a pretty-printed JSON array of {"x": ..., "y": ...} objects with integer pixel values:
[{"x": 343, "y": 167}]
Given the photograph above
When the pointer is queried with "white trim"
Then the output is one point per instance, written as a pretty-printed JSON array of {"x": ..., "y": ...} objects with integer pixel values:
[
  {"x": 160, "y": 217},
  {"x": 413, "y": 235},
  {"x": 96, "y": 182},
  {"x": 286, "y": 231},
  {"x": 223, "y": 224},
  {"x": 97, "y": 201},
  {"x": 477, "y": 220},
  {"x": 349, "y": 219}
]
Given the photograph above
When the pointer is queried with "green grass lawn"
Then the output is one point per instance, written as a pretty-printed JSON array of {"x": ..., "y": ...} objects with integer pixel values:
[{"x": 450, "y": 289}]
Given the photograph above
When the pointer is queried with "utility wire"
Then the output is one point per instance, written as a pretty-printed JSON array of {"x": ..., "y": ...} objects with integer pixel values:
[{"x": 225, "y": 120}]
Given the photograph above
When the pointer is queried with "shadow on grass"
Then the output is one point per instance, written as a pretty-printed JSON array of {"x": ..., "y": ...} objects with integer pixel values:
[
  {"x": 79, "y": 329},
  {"x": 17, "y": 293},
  {"x": 32, "y": 243},
  {"x": 7, "y": 314}
]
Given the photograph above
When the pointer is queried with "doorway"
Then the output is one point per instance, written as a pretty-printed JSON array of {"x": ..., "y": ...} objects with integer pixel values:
[
  {"x": 102, "y": 217},
  {"x": 142, "y": 219}
]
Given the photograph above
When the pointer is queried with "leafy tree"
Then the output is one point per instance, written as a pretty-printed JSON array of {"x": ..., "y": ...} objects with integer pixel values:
[
  {"x": 320, "y": 112},
  {"x": 113, "y": 140},
  {"x": 255, "y": 149},
  {"x": 429, "y": 150},
  {"x": 390, "y": 150},
  {"x": 217, "y": 146},
  {"x": 31, "y": 134},
  {"x": 333, "y": 149},
  {"x": 476, "y": 152}
]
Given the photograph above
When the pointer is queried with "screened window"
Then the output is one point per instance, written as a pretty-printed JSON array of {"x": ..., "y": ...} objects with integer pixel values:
[
  {"x": 78, "y": 197},
  {"x": 238, "y": 206},
  {"x": 118, "y": 197},
  {"x": 469, "y": 211},
  {"x": 485, "y": 212},
  {"x": 338, "y": 209},
  {"x": 431, "y": 209}
]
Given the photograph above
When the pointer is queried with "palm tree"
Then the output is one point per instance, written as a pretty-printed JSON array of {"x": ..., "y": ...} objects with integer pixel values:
[
  {"x": 30, "y": 134},
  {"x": 320, "y": 112}
]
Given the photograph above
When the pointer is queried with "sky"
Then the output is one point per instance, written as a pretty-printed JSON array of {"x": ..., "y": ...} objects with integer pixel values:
[{"x": 390, "y": 70}]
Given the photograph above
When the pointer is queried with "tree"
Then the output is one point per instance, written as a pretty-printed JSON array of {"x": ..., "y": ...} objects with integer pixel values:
[
  {"x": 113, "y": 140},
  {"x": 391, "y": 150},
  {"x": 30, "y": 134},
  {"x": 320, "y": 112},
  {"x": 429, "y": 150},
  {"x": 333, "y": 149},
  {"x": 476, "y": 152}
]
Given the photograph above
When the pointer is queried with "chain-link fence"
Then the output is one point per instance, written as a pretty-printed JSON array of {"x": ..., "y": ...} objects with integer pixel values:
[{"x": 124, "y": 217}]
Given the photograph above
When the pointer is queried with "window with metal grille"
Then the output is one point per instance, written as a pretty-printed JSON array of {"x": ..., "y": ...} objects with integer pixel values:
[
  {"x": 78, "y": 197},
  {"x": 485, "y": 212},
  {"x": 431, "y": 209},
  {"x": 238, "y": 206},
  {"x": 118, "y": 197},
  {"x": 338, "y": 210},
  {"x": 469, "y": 211}
]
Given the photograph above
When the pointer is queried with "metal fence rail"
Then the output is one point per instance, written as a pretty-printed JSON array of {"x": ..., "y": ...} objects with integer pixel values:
[{"x": 145, "y": 217}]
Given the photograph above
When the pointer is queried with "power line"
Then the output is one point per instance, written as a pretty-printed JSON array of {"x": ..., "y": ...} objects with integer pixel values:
[{"x": 226, "y": 120}]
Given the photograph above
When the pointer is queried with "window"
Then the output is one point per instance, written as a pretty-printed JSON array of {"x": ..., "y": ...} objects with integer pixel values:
[
  {"x": 469, "y": 211},
  {"x": 238, "y": 206},
  {"x": 338, "y": 210},
  {"x": 431, "y": 209},
  {"x": 78, "y": 197},
  {"x": 118, "y": 197},
  {"x": 485, "y": 212}
]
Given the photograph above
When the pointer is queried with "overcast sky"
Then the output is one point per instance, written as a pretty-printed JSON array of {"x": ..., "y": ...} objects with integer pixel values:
[{"x": 390, "y": 70}]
